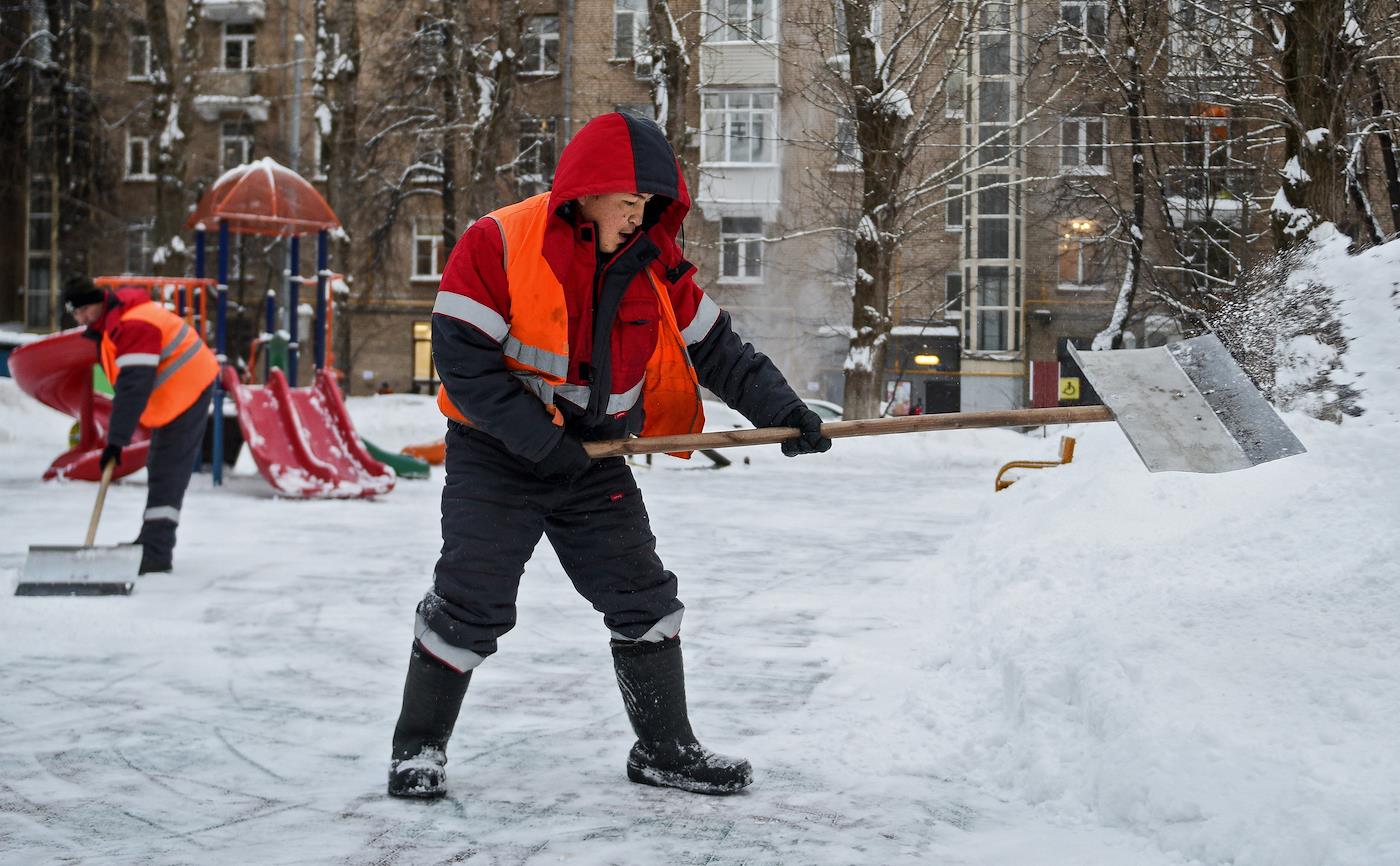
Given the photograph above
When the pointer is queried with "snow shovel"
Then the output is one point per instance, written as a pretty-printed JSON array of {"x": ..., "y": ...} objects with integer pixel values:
[
  {"x": 1186, "y": 407},
  {"x": 86, "y": 570}
]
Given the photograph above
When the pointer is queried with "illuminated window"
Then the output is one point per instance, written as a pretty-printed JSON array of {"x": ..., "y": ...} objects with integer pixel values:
[{"x": 424, "y": 371}]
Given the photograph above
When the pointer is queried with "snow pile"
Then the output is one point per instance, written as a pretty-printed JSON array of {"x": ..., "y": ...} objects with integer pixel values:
[
  {"x": 1366, "y": 289},
  {"x": 29, "y": 432},
  {"x": 1207, "y": 661},
  {"x": 392, "y": 421}
]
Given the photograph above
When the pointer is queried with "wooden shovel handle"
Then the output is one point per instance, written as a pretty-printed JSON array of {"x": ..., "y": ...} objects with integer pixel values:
[
  {"x": 97, "y": 506},
  {"x": 843, "y": 429}
]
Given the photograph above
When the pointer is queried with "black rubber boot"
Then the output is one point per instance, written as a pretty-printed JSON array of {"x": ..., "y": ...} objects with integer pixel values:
[
  {"x": 666, "y": 754},
  {"x": 157, "y": 540},
  {"x": 432, "y": 697}
]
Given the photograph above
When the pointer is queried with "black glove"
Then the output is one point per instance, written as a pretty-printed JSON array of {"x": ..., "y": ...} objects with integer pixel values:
[
  {"x": 811, "y": 441},
  {"x": 566, "y": 462},
  {"x": 111, "y": 454}
]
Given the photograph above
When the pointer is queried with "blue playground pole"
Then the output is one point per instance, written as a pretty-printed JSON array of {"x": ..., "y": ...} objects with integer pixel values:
[
  {"x": 199, "y": 274},
  {"x": 322, "y": 275},
  {"x": 293, "y": 307},
  {"x": 270, "y": 327},
  {"x": 219, "y": 351}
]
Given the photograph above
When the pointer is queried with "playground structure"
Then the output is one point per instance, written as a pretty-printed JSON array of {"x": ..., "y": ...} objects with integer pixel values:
[{"x": 302, "y": 439}]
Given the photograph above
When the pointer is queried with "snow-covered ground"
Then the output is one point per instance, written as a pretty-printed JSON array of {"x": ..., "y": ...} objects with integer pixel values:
[{"x": 1096, "y": 666}]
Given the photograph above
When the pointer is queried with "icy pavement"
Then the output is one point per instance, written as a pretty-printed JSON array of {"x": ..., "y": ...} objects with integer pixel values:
[{"x": 239, "y": 710}]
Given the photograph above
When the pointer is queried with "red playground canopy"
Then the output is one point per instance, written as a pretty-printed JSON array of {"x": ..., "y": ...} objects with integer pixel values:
[{"x": 264, "y": 198}]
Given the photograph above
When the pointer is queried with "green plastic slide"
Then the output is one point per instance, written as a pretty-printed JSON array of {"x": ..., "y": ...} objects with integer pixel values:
[{"x": 403, "y": 465}]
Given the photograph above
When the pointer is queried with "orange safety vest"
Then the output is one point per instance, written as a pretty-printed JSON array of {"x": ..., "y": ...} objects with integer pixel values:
[
  {"x": 536, "y": 341},
  {"x": 185, "y": 366}
]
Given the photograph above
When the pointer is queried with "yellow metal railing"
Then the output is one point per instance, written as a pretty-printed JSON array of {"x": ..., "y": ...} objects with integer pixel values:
[{"x": 1066, "y": 456}]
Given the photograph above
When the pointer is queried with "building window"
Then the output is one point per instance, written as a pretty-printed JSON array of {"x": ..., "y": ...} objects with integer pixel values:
[
  {"x": 1083, "y": 255},
  {"x": 993, "y": 309},
  {"x": 1086, "y": 25},
  {"x": 738, "y": 127},
  {"x": 953, "y": 208},
  {"x": 741, "y": 250},
  {"x": 1208, "y": 35},
  {"x": 1206, "y": 255},
  {"x": 956, "y": 105},
  {"x": 629, "y": 28},
  {"x": 427, "y": 250},
  {"x": 138, "y": 247},
  {"x": 424, "y": 371},
  {"x": 994, "y": 54},
  {"x": 235, "y": 144},
  {"x": 740, "y": 21},
  {"x": 138, "y": 157},
  {"x": 238, "y": 47},
  {"x": 539, "y": 45},
  {"x": 139, "y": 57},
  {"x": 847, "y": 144},
  {"x": 993, "y": 217},
  {"x": 534, "y": 165},
  {"x": 1082, "y": 145},
  {"x": 952, "y": 294},
  {"x": 993, "y": 122}
]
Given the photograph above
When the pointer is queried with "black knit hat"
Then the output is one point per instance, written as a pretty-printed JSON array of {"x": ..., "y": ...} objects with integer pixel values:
[{"x": 79, "y": 291}]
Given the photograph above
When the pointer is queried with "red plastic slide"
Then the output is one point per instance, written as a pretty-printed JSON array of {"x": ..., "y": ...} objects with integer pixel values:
[
  {"x": 303, "y": 440},
  {"x": 57, "y": 371}
]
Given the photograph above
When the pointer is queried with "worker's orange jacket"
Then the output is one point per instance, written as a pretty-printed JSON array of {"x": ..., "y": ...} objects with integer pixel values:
[
  {"x": 535, "y": 328},
  {"x": 142, "y": 333}
]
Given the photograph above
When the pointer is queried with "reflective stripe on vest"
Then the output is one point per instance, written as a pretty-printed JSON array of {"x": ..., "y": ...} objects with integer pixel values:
[
  {"x": 535, "y": 340},
  {"x": 184, "y": 367}
]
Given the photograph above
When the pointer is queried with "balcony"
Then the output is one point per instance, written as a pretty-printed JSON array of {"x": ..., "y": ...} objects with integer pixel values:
[{"x": 235, "y": 11}]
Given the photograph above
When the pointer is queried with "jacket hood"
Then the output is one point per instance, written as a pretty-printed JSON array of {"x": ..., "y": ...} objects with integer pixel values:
[{"x": 619, "y": 152}]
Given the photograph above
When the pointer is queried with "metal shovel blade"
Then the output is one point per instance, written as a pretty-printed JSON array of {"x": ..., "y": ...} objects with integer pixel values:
[
  {"x": 1188, "y": 407},
  {"x": 72, "y": 570}
]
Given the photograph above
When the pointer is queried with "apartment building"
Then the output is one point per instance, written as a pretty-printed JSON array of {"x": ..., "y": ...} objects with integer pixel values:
[{"x": 1016, "y": 249}]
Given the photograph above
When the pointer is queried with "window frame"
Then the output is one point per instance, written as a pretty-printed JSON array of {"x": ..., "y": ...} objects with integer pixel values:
[
  {"x": 145, "y": 143},
  {"x": 716, "y": 14},
  {"x": 1082, "y": 41},
  {"x": 541, "y": 54},
  {"x": 748, "y": 247},
  {"x": 247, "y": 40},
  {"x": 639, "y": 33},
  {"x": 142, "y": 234},
  {"x": 1081, "y": 146},
  {"x": 435, "y": 236},
  {"x": 728, "y": 113},
  {"x": 955, "y": 193},
  {"x": 143, "y": 39},
  {"x": 244, "y": 133},
  {"x": 847, "y": 144}
]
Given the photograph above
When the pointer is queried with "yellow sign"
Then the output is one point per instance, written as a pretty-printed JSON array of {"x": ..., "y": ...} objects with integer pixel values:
[{"x": 1069, "y": 388}]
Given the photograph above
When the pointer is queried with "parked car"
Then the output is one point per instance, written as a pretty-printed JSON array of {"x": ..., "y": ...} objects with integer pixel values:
[
  {"x": 720, "y": 417},
  {"x": 826, "y": 409}
]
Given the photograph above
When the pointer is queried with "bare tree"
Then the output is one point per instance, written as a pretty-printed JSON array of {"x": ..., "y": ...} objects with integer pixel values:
[{"x": 173, "y": 87}]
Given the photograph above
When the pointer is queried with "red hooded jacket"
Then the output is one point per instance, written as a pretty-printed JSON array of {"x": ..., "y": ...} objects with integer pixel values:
[{"x": 612, "y": 309}]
